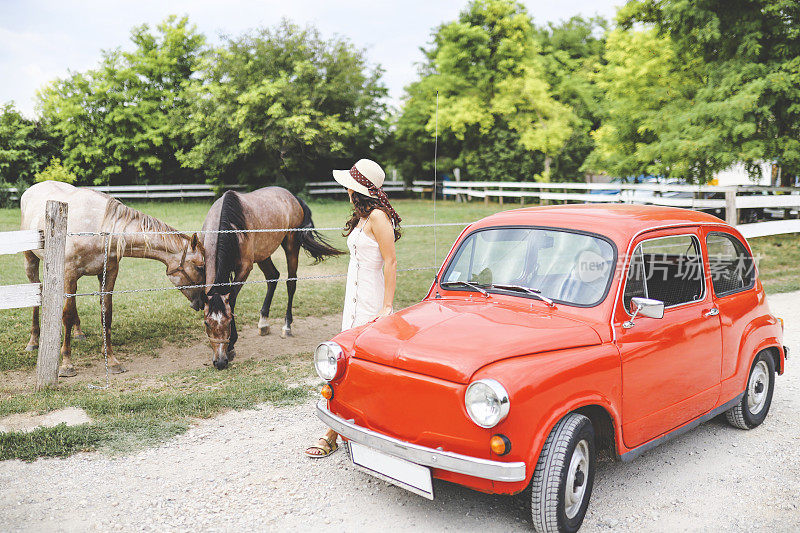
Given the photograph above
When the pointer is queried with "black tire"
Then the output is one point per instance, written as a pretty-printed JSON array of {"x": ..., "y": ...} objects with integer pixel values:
[
  {"x": 549, "y": 511},
  {"x": 754, "y": 406}
]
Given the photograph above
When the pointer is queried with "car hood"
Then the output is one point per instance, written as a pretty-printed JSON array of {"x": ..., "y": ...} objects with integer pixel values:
[{"x": 452, "y": 339}]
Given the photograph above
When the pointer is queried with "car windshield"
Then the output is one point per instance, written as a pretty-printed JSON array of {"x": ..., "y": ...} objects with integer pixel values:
[{"x": 567, "y": 267}]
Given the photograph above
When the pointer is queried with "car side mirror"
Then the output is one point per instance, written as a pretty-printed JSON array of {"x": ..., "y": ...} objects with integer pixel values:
[{"x": 645, "y": 307}]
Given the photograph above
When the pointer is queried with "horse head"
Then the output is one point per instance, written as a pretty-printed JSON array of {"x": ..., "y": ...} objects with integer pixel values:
[
  {"x": 218, "y": 319},
  {"x": 190, "y": 271}
]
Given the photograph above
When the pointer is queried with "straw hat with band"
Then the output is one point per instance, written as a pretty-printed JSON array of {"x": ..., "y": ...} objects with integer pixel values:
[{"x": 366, "y": 177}]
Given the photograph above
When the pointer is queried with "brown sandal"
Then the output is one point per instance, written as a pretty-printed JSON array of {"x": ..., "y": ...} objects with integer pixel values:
[{"x": 327, "y": 449}]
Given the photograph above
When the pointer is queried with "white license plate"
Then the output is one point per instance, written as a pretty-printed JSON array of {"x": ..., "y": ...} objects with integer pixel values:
[{"x": 404, "y": 474}]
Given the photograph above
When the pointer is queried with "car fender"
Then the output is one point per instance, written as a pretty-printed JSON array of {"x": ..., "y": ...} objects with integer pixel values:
[
  {"x": 762, "y": 332},
  {"x": 544, "y": 387}
]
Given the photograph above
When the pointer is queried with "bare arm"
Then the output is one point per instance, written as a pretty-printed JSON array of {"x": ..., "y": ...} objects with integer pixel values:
[{"x": 384, "y": 235}]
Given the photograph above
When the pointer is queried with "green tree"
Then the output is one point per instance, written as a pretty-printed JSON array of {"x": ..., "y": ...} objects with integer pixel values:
[
  {"x": 742, "y": 59},
  {"x": 283, "y": 106},
  {"x": 25, "y": 146},
  {"x": 498, "y": 118},
  {"x": 121, "y": 122},
  {"x": 647, "y": 91},
  {"x": 573, "y": 51},
  {"x": 55, "y": 171}
]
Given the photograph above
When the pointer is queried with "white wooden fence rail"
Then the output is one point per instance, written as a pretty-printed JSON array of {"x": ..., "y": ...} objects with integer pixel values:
[
  {"x": 49, "y": 295},
  {"x": 181, "y": 190}
]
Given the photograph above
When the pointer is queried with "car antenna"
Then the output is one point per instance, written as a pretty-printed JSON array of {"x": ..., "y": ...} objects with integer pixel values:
[{"x": 435, "y": 168}]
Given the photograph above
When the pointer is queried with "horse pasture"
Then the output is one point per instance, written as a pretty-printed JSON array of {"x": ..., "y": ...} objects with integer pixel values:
[{"x": 161, "y": 340}]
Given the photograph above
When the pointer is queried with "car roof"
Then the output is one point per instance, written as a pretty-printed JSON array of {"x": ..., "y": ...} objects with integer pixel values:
[{"x": 620, "y": 222}]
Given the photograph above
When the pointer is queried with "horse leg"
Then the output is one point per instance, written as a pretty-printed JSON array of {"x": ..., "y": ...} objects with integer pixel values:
[
  {"x": 234, "y": 333},
  {"x": 32, "y": 271},
  {"x": 270, "y": 273},
  {"x": 78, "y": 333},
  {"x": 107, "y": 309},
  {"x": 291, "y": 246},
  {"x": 66, "y": 370}
]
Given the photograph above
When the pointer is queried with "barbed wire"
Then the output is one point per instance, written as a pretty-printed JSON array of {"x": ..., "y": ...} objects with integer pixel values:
[
  {"x": 259, "y": 230},
  {"x": 229, "y": 284}
]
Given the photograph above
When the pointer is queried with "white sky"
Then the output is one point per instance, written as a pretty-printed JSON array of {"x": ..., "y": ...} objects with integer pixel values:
[{"x": 42, "y": 39}]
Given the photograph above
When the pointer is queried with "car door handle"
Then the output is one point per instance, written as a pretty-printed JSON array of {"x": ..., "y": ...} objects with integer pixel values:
[{"x": 711, "y": 312}]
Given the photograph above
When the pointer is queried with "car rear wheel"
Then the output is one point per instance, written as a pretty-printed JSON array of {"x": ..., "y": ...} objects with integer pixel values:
[
  {"x": 753, "y": 409},
  {"x": 564, "y": 475}
]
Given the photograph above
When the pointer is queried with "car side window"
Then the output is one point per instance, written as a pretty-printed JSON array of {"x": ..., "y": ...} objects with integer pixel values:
[
  {"x": 731, "y": 266},
  {"x": 669, "y": 269}
]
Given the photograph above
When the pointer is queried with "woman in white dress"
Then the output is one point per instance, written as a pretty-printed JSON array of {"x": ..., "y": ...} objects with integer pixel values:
[{"x": 371, "y": 233}]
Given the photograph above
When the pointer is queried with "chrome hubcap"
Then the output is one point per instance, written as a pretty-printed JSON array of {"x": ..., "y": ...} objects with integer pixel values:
[
  {"x": 577, "y": 479},
  {"x": 757, "y": 388}
]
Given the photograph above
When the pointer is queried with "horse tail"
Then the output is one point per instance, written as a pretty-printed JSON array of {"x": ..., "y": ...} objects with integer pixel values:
[
  {"x": 228, "y": 253},
  {"x": 311, "y": 240}
]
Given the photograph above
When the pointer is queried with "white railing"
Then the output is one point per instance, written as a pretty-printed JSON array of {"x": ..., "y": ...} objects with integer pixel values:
[
  {"x": 728, "y": 200},
  {"x": 182, "y": 190},
  {"x": 333, "y": 187},
  {"x": 48, "y": 295},
  {"x": 187, "y": 190}
]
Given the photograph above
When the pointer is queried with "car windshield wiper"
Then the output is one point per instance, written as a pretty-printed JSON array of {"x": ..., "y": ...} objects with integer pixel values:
[
  {"x": 466, "y": 284},
  {"x": 533, "y": 292}
]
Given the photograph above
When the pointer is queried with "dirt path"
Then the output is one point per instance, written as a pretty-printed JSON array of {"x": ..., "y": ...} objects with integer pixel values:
[
  {"x": 245, "y": 471},
  {"x": 195, "y": 354}
]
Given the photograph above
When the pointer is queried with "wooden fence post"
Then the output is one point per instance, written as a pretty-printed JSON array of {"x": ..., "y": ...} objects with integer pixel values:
[
  {"x": 55, "y": 239},
  {"x": 731, "y": 214}
]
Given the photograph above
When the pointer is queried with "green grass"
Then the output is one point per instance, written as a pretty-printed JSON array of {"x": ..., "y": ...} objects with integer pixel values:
[
  {"x": 131, "y": 415},
  {"x": 778, "y": 259},
  {"x": 144, "y": 321}
]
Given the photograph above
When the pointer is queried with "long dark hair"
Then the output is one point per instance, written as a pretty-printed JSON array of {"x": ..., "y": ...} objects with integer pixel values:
[{"x": 362, "y": 207}]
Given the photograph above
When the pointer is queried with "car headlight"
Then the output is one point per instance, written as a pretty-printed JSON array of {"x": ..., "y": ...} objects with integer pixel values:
[
  {"x": 327, "y": 360},
  {"x": 487, "y": 402}
]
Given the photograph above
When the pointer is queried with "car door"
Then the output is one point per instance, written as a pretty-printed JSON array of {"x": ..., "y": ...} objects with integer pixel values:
[
  {"x": 671, "y": 365},
  {"x": 733, "y": 279}
]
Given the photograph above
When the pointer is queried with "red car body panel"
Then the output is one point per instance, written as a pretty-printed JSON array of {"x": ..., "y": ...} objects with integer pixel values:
[{"x": 406, "y": 374}]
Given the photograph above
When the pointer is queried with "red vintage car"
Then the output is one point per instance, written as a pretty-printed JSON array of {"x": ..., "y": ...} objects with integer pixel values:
[{"x": 551, "y": 333}]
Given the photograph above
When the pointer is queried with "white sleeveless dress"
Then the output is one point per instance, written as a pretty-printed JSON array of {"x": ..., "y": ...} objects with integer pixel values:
[{"x": 363, "y": 298}]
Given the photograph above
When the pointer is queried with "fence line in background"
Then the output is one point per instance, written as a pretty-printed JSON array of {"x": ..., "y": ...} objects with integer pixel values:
[
  {"x": 265, "y": 230},
  {"x": 180, "y": 190},
  {"x": 47, "y": 295}
]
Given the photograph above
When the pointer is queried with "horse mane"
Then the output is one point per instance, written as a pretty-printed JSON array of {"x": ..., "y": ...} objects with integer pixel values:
[
  {"x": 118, "y": 216},
  {"x": 228, "y": 253}
]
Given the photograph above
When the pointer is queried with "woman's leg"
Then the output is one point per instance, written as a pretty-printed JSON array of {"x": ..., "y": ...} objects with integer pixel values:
[{"x": 325, "y": 446}]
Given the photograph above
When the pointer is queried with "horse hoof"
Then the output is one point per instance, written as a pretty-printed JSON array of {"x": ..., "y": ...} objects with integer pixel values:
[
  {"x": 231, "y": 354},
  {"x": 31, "y": 347},
  {"x": 286, "y": 332},
  {"x": 67, "y": 372},
  {"x": 117, "y": 369},
  {"x": 79, "y": 337},
  {"x": 264, "y": 330}
]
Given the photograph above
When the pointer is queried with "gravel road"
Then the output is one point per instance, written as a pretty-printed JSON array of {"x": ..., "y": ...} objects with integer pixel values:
[{"x": 245, "y": 471}]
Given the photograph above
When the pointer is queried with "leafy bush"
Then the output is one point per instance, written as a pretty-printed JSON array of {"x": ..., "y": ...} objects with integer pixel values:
[{"x": 55, "y": 171}]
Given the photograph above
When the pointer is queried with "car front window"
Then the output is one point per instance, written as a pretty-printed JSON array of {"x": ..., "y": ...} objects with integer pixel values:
[{"x": 565, "y": 266}]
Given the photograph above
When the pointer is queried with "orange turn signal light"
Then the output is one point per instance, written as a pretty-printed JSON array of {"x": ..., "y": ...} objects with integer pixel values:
[
  {"x": 327, "y": 392},
  {"x": 500, "y": 444}
]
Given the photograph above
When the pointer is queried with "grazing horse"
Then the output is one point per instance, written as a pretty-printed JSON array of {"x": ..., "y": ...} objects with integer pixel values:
[
  {"x": 230, "y": 257},
  {"x": 92, "y": 211}
]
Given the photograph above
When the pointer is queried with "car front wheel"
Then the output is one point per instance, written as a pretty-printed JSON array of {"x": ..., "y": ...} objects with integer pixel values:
[
  {"x": 753, "y": 409},
  {"x": 564, "y": 475}
]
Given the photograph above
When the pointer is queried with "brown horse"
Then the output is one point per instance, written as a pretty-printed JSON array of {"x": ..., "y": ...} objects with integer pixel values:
[
  {"x": 230, "y": 257},
  {"x": 92, "y": 211}
]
